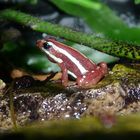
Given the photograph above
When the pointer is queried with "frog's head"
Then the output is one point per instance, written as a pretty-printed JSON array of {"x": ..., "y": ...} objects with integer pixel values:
[
  {"x": 50, "y": 49},
  {"x": 43, "y": 44}
]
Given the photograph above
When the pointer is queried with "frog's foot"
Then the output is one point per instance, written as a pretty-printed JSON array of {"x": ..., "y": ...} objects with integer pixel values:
[{"x": 103, "y": 68}]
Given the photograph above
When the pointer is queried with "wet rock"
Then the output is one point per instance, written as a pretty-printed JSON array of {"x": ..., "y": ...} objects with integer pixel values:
[
  {"x": 2, "y": 84},
  {"x": 23, "y": 82},
  {"x": 5, "y": 118}
]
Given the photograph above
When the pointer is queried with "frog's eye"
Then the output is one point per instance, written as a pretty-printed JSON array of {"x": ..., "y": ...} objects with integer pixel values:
[{"x": 46, "y": 45}]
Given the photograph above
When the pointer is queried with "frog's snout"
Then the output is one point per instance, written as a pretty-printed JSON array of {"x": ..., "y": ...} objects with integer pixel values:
[{"x": 39, "y": 43}]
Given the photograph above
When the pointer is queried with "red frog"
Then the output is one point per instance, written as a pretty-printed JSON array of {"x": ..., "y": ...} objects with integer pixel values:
[{"x": 86, "y": 72}]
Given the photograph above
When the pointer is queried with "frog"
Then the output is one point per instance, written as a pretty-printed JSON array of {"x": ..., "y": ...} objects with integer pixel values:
[{"x": 86, "y": 72}]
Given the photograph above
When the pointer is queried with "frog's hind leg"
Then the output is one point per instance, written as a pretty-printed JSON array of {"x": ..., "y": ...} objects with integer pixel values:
[{"x": 89, "y": 79}]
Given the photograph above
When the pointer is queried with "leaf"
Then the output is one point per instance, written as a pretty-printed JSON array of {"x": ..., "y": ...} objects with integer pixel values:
[
  {"x": 94, "y": 55},
  {"x": 100, "y": 18},
  {"x": 39, "y": 62},
  {"x": 137, "y": 1},
  {"x": 32, "y": 1}
]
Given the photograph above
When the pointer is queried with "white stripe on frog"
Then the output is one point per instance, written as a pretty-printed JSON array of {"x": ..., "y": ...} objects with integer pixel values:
[
  {"x": 73, "y": 59},
  {"x": 58, "y": 60}
]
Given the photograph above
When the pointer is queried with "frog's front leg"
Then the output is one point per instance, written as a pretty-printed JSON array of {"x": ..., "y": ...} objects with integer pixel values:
[{"x": 64, "y": 74}]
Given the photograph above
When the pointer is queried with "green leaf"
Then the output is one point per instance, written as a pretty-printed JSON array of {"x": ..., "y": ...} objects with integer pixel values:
[
  {"x": 137, "y": 1},
  {"x": 9, "y": 47},
  {"x": 39, "y": 62},
  {"x": 95, "y": 55},
  {"x": 32, "y": 1},
  {"x": 101, "y": 19}
]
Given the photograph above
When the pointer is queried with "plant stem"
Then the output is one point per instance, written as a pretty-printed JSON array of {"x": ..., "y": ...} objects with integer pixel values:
[{"x": 116, "y": 48}]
